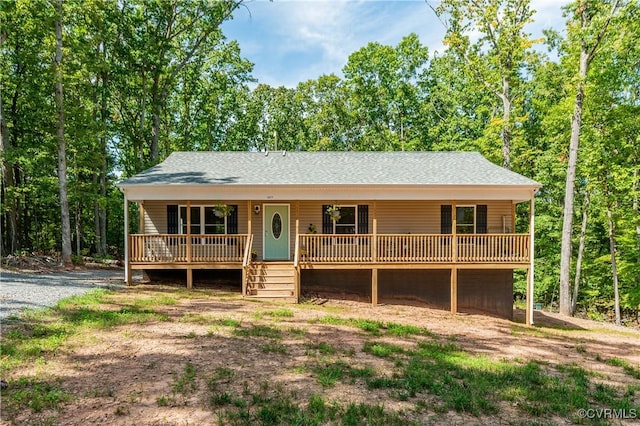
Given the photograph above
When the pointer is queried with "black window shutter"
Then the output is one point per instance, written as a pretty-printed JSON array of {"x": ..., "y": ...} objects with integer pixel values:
[
  {"x": 445, "y": 219},
  {"x": 327, "y": 225},
  {"x": 232, "y": 220},
  {"x": 481, "y": 218},
  {"x": 172, "y": 219},
  {"x": 363, "y": 219}
]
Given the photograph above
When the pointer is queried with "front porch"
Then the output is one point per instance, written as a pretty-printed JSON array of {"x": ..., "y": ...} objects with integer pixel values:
[
  {"x": 396, "y": 236},
  {"x": 154, "y": 251},
  {"x": 373, "y": 252}
]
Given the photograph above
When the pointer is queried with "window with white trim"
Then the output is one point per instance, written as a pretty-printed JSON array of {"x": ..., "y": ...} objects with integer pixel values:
[
  {"x": 348, "y": 222},
  {"x": 203, "y": 221},
  {"x": 465, "y": 219}
]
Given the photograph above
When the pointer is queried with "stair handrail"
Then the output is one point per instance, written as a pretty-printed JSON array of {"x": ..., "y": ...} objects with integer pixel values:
[{"x": 247, "y": 251}]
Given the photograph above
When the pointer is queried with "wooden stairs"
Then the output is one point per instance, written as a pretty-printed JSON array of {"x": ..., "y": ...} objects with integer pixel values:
[{"x": 271, "y": 280}]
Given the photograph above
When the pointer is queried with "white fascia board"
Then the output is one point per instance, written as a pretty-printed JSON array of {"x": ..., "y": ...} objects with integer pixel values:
[{"x": 328, "y": 192}]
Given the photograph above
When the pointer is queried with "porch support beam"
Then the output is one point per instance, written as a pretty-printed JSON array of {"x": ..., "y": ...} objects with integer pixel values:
[
  {"x": 530, "y": 271},
  {"x": 374, "y": 242},
  {"x": 374, "y": 286},
  {"x": 189, "y": 270},
  {"x": 454, "y": 238},
  {"x": 189, "y": 231},
  {"x": 296, "y": 278},
  {"x": 141, "y": 226},
  {"x": 249, "y": 219},
  {"x": 454, "y": 290},
  {"x": 127, "y": 263}
]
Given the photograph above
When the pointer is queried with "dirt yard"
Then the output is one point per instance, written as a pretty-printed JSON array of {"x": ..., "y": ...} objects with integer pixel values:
[{"x": 202, "y": 351}]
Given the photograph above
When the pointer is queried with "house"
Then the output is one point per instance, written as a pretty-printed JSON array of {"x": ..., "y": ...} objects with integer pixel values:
[{"x": 438, "y": 227}]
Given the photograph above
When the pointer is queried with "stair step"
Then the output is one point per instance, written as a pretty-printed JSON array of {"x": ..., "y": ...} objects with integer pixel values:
[
  {"x": 271, "y": 293},
  {"x": 274, "y": 286},
  {"x": 271, "y": 280}
]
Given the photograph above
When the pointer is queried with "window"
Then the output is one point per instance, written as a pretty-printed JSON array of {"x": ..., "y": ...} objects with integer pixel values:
[
  {"x": 347, "y": 223},
  {"x": 203, "y": 221},
  {"x": 465, "y": 219},
  {"x": 212, "y": 223}
]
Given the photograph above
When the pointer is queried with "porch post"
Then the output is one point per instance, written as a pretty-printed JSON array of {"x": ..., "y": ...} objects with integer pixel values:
[
  {"x": 295, "y": 245},
  {"x": 454, "y": 290},
  {"x": 189, "y": 270},
  {"x": 454, "y": 257},
  {"x": 530, "y": 274},
  {"x": 141, "y": 227},
  {"x": 374, "y": 286},
  {"x": 454, "y": 238},
  {"x": 374, "y": 240},
  {"x": 249, "y": 226},
  {"x": 127, "y": 263}
]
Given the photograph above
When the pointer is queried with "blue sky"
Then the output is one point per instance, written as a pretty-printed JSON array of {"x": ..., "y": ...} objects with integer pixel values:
[{"x": 290, "y": 41}]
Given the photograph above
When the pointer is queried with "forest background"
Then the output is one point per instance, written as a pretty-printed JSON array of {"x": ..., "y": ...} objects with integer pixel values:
[{"x": 95, "y": 91}]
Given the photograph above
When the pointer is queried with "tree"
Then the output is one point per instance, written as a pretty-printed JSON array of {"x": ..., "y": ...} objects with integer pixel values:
[
  {"x": 381, "y": 81},
  {"x": 62, "y": 153},
  {"x": 590, "y": 24},
  {"x": 159, "y": 40},
  {"x": 498, "y": 57}
]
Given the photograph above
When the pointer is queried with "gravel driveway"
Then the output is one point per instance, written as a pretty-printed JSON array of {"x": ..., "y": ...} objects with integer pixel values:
[{"x": 20, "y": 291}]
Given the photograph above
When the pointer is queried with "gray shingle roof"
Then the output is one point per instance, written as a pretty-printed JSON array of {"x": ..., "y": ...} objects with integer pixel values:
[{"x": 328, "y": 168}]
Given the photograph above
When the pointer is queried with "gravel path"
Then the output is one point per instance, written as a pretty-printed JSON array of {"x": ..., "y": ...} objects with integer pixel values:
[{"x": 20, "y": 291}]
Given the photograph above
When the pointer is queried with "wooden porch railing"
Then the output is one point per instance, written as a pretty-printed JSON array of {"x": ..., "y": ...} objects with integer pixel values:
[
  {"x": 413, "y": 248},
  {"x": 335, "y": 248},
  {"x": 331, "y": 248},
  {"x": 172, "y": 248},
  {"x": 478, "y": 248}
]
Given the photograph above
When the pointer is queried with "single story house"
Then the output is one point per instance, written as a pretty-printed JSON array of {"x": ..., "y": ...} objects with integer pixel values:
[{"x": 438, "y": 227}]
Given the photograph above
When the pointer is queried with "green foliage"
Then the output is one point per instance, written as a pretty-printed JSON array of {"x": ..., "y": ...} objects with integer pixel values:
[
  {"x": 30, "y": 394},
  {"x": 258, "y": 331}
]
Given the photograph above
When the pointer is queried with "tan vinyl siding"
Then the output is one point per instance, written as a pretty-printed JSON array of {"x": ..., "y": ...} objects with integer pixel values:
[
  {"x": 155, "y": 217},
  {"x": 394, "y": 217},
  {"x": 155, "y": 214}
]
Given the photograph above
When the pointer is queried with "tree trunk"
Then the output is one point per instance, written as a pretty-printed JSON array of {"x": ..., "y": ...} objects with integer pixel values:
[
  {"x": 586, "y": 55},
  {"x": 10, "y": 231},
  {"x": 4, "y": 141},
  {"x": 636, "y": 208},
  {"x": 78, "y": 229},
  {"x": 506, "y": 124},
  {"x": 155, "y": 112},
  {"x": 567, "y": 223},
  {"x": 583, "y": 234},
  {"x": 62, "y": 154},
  {"x": 101, "y": 217},
  {"x": 612, "y": 249}
]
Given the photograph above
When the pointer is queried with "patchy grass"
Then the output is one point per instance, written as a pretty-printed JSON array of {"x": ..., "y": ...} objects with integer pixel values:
[
  {"x": 377, "y": 328},
  {"x": 329, "y": 373},
  {"x": 626, "y": 366},
  {"x": 35, "y": 395},
  {"x": 43, "y": 332},
  {"x": 281, "y": 313},
  {"x": 277, "y": 366},
  {"x": 258, "y": 331}
]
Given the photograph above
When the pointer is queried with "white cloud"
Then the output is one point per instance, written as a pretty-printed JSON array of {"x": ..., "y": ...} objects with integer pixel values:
[{"x": 291, "y": 41}]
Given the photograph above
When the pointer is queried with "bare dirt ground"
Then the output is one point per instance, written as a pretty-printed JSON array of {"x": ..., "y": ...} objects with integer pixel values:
[{"x": 127, "y": 374}]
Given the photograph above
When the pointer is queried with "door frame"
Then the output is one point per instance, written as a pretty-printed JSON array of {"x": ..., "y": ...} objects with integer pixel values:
[{"x": 266, "y": 224}]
